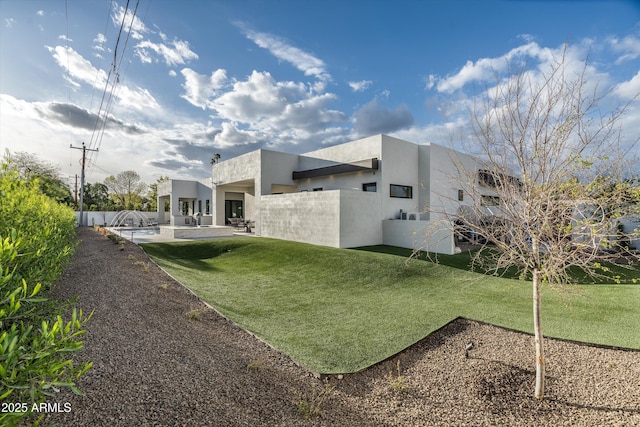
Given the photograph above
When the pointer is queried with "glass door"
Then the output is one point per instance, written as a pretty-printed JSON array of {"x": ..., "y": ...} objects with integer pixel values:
[{"x": 232, "y": 209}]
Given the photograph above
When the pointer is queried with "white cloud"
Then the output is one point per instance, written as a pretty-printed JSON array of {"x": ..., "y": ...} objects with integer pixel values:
[
  {"x": 630, "y": 89},
  {"x": 119, "y": 18},
  {"x": 99, "y": 42},
  {"x": 173, "y": 73},
  {"x": 257, "y": 98},
  {"x": 137, "y": 98},
  {"x": 303, "y": 61},
  {"x": 177, "y": 53},
  {"x": 360, "y": 86},
  {"x": 79, "y": 70},
  {"x": 77, "y": 67},
  {"x": 263, "y": 110},
  {"x": 64, "y": 38},
  {"x": 199, "y": 89},
  {"x": 231, "y": 136},
  {"x": 628, "y": 47},
  {"x": 8, "y": 22},
  {"x": 527, "y": 37},
  {"x": 484, "y": 68},
  {"x": 40, "y": 13}
]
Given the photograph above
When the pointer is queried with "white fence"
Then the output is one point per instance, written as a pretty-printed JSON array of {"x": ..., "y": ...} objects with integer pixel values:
[{"x": 104, "y": 218}]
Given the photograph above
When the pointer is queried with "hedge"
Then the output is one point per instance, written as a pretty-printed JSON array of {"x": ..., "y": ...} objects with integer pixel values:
[{"x": 37, "y": 240}]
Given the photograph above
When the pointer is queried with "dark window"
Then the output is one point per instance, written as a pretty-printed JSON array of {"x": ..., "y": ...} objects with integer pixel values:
[
  {"x": 370, "y": 186},
  {"x": 490, "y": 201},
  {"x": 206, "y": 205},
  {"x": 487, "y": 178},
  {"x": 495, "y": 179},
  {"x": 317, "y": 189},
  {"x": 460, "y": 195},
  {"x": 401, "y": 191},
  {"x": 200, "y": 206}
]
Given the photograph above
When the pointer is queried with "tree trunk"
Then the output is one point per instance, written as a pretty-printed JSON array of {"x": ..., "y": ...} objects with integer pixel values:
[{"x": 537, "y": 327}]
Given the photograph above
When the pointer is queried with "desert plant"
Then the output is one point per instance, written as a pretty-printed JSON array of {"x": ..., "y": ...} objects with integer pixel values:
[
  {"x": 258, "y": 364},
  {"x": 311, "y": 404},
  {"x": 396, "y": 380},
  {"x": 195, "y": 313}
]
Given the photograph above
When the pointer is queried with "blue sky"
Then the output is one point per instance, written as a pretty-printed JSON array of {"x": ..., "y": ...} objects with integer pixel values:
[{"x": 196, "y": 78}]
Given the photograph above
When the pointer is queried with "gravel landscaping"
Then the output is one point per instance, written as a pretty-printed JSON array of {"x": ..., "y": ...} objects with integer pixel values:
[{"x": 162, "y": 358}]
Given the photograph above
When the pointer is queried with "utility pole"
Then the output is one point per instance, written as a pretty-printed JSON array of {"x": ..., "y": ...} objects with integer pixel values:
[
  {"x": 84, "y": 159},
  {"x": 75, "y": 192}
]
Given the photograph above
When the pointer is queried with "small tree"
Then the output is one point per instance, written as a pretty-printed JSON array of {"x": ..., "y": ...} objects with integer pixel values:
[
  {"x": 126, "y": 188},
  {"x": 551, "y": 187}
]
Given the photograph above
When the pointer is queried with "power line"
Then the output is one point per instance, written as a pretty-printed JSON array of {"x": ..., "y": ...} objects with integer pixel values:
[
  {"x": 115, "y": 70},
  {"x": 106, "y": 83}
]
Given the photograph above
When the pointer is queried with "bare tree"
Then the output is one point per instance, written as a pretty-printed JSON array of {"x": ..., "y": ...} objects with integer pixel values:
[{"x": 552, "y": 184}]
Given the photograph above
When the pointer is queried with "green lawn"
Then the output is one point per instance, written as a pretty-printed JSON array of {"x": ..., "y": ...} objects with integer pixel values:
[{"x": 339, "y": 311}]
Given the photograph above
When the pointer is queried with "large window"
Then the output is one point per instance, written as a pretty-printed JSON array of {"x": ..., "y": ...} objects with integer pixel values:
[
  {"x": 207, "y": 207},
  {"x": 401, "y": 191},
  {"x": 370, "y": 186}
]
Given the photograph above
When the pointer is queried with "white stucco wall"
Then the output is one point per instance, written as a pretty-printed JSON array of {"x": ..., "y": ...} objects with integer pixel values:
[
  {"x": 361, "y": 149},
  {"x": 399, "y": 166},
  {"x": 349, "y": 181},
  {"x": 302, "y": 217},
  {"x": 419, "y": 235},
  {"x": 360, "y": 223},
  {"x": 339, "y": 218},
  {"x": 449, "y": 172}
]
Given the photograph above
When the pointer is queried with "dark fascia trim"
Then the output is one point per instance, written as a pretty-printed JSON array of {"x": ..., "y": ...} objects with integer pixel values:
[{"x": 364, "y": 165}]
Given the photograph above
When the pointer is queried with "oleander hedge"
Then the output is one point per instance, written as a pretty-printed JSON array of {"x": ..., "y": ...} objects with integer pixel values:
[{"x": 37, "y": 240}]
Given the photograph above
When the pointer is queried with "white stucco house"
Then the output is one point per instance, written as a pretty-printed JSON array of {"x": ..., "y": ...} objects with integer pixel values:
[
  {"x": 189, "y": 202},
  {"x": 376, "y": 190}
]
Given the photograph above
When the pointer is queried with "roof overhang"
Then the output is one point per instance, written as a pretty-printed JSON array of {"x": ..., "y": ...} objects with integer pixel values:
[{"x": 359, "y": 166}]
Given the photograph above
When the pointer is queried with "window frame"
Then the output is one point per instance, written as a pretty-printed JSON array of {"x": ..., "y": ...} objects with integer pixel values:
[
  {"x": 399, "y": 191},
  {"x": 368, "y": 185}
]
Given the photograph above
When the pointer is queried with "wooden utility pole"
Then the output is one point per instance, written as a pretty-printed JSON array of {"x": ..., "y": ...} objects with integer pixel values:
[
  {"x": 84, "y": 160},
  {"x": 75, "y": 192}
]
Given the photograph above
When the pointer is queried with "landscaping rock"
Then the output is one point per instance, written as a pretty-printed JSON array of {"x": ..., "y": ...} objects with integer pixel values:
[{"x": 156, "y": 363}]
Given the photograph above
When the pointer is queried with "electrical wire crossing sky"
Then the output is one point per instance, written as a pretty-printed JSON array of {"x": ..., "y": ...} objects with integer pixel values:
[{"x": 160, "y": 87}]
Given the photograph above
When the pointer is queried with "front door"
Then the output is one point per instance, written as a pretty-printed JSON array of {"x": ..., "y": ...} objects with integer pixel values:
[{"x": 232, "y": 209}]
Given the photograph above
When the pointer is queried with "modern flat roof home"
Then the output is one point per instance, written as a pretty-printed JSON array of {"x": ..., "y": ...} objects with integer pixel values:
[{"x": 375, "y": 190}]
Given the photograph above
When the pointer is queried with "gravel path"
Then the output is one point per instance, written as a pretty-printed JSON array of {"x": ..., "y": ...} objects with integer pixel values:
[{"x": 161, "y": 358}]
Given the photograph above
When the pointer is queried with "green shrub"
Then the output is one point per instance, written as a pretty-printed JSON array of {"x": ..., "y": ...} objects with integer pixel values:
[{"x": 37, "y": 240}]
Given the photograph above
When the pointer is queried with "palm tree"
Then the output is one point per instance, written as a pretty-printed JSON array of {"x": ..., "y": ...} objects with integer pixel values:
[{"x": 215, "y": 159}]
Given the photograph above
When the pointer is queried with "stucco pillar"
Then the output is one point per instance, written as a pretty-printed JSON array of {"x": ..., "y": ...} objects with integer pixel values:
[
  {"x": 218, "y": 205},
  {"x": 174, "y": 207},
  {"x": 160, "y": 209}
]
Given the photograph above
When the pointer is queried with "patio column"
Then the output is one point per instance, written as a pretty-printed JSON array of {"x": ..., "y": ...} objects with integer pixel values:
[{"x": 218, "y": 205}]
